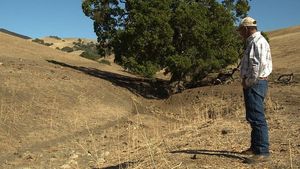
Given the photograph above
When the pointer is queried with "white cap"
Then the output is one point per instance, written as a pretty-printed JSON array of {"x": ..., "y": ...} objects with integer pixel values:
[{"x": 248, "y": 21}]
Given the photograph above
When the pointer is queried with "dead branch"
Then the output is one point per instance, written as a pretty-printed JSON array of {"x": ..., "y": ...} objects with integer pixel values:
[
  {"x": 286, "y": 78},
  {"x": 224, "y": 78}
]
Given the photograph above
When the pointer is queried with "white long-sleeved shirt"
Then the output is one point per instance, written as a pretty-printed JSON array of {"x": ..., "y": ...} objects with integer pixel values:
[{"x": 257, "y": 60}]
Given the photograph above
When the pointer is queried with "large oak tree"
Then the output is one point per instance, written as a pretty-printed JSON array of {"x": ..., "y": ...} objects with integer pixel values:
[{"x": 189, "y": 38}]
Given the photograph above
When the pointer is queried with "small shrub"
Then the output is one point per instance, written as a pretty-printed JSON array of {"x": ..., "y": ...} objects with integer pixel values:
[
  {"x": 40, "y": 41},
  {"x": 104, "y": 61},
  {"x": 37, "y": 40},
  {"x": 48, "y": 44},
  {"x": 67, "y": 49},
  {"x": 90, "y": 55},
  {"x": 55, "y": 37}
]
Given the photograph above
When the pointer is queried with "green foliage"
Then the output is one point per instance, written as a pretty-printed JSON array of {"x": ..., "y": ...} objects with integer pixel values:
[
  {"x": 80, "y": 45},
  {"x": 242, "y": 7},
  {"x": 179, "y": 66},
  {"x": 265, "y": 36},
  {"x": 147, "y": 69},
  {"x": 239, "y": 8},
  {"x": 90, "y": 49},
  {"x": 190, "y": 38},
  {"x": 104, "y": 61},
  {"x": 108, "y": 17},
  {"x": 147, "y": 38},
  {"x": 204, "y": 39},
  {"x": 89, "y": 54}
]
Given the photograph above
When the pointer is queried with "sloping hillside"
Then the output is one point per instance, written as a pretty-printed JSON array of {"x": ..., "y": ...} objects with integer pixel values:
[
  {"x": 63, "y": 42},
  {"x": 75, "y": 46},
  {"x": 285, "y": 31},
  {"x": 285, "y": 49},
  {"x": 47, "y": 96},
  {"x": 59, "y": 110},
  {"x": 14, "y": 34}
]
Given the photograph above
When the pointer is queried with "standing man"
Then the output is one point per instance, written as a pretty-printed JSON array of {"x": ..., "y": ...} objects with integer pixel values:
[{"x": 256, "y": 66}]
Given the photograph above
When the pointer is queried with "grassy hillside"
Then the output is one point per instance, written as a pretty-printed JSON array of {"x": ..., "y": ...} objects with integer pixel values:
[
  {"x": 14, "y": 34},
  {"x": 285, "y": 49},
  {"x": 59, "y": 110},
  {"x": 285, "y": 31},
  {"x": 46, "y": 96}
]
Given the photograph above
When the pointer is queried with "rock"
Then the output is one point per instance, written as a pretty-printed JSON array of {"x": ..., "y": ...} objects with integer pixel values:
[{"x": 225, "y": 131}]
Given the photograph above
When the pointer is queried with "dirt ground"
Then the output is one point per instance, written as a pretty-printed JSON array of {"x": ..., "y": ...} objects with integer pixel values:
[{"x": 60, "y": 111}]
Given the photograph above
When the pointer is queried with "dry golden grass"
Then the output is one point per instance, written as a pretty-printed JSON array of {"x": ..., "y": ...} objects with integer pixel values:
[
  {"x": 43, "y": 104},
  {"x": 54, "y": 115},
  {"x": 285, "y": 31},
  {"x": 285, "y": 50}
]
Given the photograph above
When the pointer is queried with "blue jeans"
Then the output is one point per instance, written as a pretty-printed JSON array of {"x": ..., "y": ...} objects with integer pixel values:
[{"x": 254, "y": 103}]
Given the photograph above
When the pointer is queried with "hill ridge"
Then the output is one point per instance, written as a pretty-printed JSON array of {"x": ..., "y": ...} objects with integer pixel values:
[
  {"x": 284, "y": 31},
  {"x": 14, "y": 34}
]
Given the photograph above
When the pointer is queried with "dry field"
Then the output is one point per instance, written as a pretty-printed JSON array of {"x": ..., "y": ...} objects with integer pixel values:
[{"x": 61, "y": 111}]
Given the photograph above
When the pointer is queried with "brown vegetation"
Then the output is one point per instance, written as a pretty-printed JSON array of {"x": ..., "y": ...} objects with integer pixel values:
[{"x": 59, "y": 110}]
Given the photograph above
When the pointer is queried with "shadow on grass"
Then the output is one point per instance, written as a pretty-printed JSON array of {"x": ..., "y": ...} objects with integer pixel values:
[
  {"x": 227, "y": 154},
  {"x": 148, "y": 88},
  {"x": 119, "y": 166}
]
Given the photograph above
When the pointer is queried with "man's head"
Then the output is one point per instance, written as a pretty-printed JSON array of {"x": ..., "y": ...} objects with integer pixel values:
[{"x": 247, "y": 27}]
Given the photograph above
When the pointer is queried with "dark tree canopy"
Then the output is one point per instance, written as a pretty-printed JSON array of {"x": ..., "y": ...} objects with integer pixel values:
[{"x": 190, "y": 38}]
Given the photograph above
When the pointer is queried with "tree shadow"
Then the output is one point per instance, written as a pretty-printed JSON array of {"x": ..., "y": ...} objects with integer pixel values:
[
  {"x": 227, "y": 154},
  {"x": 148, "y": 88},
  {"x": 119, "y": 166}
]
